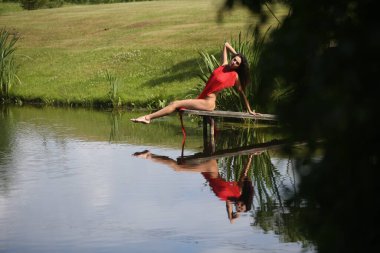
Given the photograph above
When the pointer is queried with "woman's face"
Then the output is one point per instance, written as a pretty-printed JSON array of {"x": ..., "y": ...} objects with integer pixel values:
[
  {"x": 240, "y": 206},
  {"x": 235, "y": 62}
]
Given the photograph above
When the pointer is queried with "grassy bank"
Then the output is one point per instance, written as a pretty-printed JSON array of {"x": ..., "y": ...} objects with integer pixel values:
[
  {"x": 152, "y": 47},
  {"x": 9, "y": 7}
]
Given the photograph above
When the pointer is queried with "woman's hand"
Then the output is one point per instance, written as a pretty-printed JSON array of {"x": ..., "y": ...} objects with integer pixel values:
[
  {"x": 229, "y": 48},
  {"x": 254, "y": 113}
]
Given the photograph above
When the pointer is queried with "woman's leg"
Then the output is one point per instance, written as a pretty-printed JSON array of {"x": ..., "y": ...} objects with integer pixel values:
[
  {"x": 210, "y": 166},
  {"x": 194, "y": 104}
]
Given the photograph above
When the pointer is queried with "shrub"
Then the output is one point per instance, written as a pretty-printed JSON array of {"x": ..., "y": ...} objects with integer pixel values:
[
  {"x": 54, "y": 3},
  {"x": 33, "y": 4}
]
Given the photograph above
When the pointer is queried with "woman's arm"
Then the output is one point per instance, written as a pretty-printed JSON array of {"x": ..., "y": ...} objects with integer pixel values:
[
  {"x": 232, "y": 216},
  {"x": 246, "y": 102},
  {"x": 227, "y": 48},
  {"x": 247, "y": 166}
]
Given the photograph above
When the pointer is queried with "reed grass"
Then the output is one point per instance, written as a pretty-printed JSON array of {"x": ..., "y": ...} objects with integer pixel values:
[
  {"x": 113, "y": 92},
  {"x": 8, "y": 76}
]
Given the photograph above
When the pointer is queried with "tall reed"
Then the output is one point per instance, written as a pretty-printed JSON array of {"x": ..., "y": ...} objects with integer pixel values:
[
  {"x": 113, "y": 92},
  {"x": 7, "y": 64}
]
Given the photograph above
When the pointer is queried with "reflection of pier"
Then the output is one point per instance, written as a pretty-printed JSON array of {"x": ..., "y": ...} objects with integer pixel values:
[
  {"x": 211, "y": 154},
  {"x": 208, "y": 119}
]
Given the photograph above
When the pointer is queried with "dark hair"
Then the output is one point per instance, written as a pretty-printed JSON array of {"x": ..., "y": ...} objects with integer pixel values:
[
  {"x": 243, "y": 71},
  {"x": 247, "y": 194}
]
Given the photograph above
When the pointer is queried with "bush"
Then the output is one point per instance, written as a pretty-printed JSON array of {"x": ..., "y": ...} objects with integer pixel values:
[
  {"x": 54, "y": 3},
  {"x": 37, "y": 4},
  {"x": 32, "y": 4}
]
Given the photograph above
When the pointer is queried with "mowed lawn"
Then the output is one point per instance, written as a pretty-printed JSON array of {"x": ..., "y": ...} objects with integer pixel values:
[{"x": 151, "y": 47}]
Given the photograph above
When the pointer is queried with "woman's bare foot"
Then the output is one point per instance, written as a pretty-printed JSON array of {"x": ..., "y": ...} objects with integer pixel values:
[
  {"x": 144, "y": 154},
  {"x": 141, "y": 119}
]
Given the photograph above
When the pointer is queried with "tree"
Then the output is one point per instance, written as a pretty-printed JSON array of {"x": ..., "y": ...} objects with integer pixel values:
[{"x": 326, "y": 53}]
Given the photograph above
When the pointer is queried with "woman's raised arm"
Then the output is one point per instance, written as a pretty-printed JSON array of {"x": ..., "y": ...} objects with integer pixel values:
[{"x": 227, "y": 48}]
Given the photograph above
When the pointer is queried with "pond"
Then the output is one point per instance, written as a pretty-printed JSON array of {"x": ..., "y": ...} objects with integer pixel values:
[{"x": 81, "y": 180}]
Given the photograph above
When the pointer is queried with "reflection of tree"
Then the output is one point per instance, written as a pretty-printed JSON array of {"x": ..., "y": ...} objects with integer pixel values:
[
  {"x": 276, "y": 213},
  {"x": 273, "y": 212}
]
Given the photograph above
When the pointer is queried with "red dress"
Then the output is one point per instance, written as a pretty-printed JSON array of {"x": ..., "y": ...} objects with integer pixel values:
[
  {"x": 223, "y": 190},
  {"x": 220, "y": 79}
]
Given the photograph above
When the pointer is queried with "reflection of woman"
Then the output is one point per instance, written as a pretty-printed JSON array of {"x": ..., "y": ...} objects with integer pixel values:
[
  {"x": 233, "y": 73},
  {"x": 239, "y": 193}
]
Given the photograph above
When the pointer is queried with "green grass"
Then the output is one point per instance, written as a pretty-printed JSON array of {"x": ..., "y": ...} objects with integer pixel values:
[
  {"x": 151, "y": 47},
  {"x": 9, "y": 7}
]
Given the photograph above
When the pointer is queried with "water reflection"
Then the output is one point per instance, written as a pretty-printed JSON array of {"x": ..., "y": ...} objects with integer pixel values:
[
  {"x": 7, "y": 143},
  {"x": 69, "y": 182},
  {"x": 248, "y": 181},
  {"x": 230, "y": 173},
  {"x": 239, "y": 193}
]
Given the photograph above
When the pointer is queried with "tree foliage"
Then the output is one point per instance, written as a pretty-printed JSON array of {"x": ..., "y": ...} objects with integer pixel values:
[
  {"x": 326, "y": 53},
  {"x": 32, "y": 4}
]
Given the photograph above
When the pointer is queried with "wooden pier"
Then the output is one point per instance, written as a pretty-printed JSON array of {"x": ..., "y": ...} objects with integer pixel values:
[
  {"x": 208, "y": 118},
  {"x": 229, "y": 114}
]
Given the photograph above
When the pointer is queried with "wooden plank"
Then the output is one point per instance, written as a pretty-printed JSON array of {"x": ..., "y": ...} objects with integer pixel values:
[
  {"x": 202, "y": 157},
  {"x": 230, "y": 114}
]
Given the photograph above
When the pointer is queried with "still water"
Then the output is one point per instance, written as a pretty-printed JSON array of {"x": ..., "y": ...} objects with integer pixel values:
[{"x": 76, "y": 180}]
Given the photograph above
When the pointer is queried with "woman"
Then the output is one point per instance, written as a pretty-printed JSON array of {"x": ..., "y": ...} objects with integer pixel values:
[
  {"x": 233, "y": 73},
  {"x": 238, "y": 194}
]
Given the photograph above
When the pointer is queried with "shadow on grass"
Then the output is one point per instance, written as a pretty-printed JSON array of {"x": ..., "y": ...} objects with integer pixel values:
[{"x": 179, "y": 72}]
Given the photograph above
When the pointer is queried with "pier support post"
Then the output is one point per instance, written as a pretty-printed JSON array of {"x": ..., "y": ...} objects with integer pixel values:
[
  {"x": 212, "y": 134},
  {"x": 209, "y": 135}
]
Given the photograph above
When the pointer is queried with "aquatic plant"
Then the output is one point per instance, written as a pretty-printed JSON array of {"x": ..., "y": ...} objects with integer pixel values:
[
  {"x": 7, "y": 64},
  {"x": 113, "y": 92}
]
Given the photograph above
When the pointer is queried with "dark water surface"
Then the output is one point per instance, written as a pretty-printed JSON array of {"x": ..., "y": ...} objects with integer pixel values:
[{"x": 69, "y": 182}]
